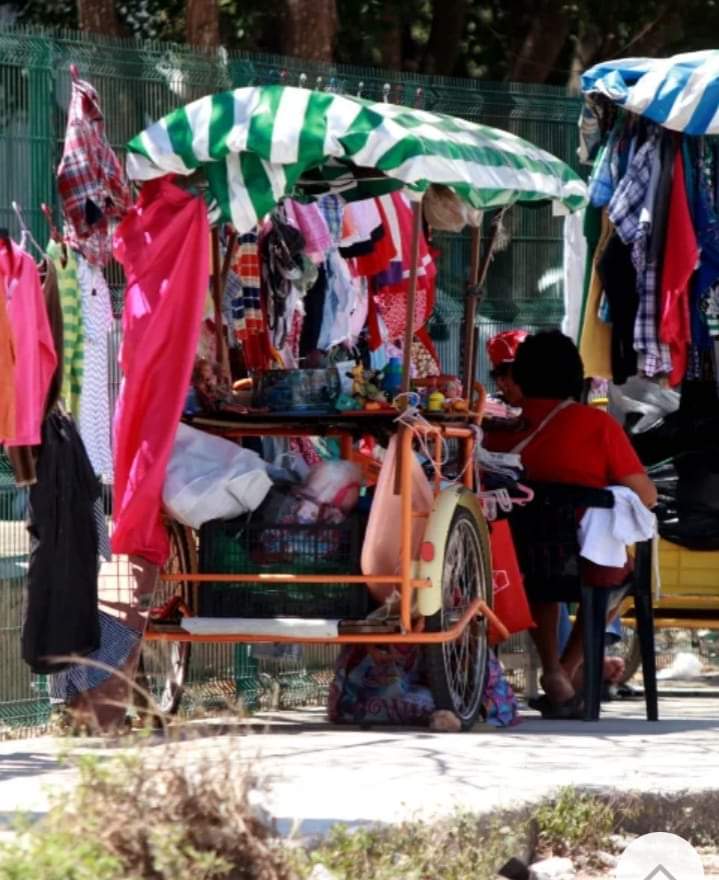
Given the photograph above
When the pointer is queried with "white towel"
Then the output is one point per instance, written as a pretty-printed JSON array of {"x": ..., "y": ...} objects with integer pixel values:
[{"x": 605, "y": 533}]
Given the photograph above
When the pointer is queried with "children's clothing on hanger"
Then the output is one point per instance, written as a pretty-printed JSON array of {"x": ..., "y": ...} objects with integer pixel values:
[
  {"x": 95, "y": 396},
  {"x": 33, "y": 343},
  {"x": 65, "y": 263}
]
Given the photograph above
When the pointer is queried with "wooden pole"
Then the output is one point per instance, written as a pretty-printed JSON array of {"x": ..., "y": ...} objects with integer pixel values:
[
  {"x": 223, "y": 358},
  {"x": 411, "y": 296},
  {"x": 409, "y": 334},
  {"x": 470, "y": 314},
  {"x": 477, "y": 277}
]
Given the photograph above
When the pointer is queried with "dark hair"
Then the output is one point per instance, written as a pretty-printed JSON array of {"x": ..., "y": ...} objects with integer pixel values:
[
  {"x": 548, "y": 364},
  {"x": 501, "y": 370}
]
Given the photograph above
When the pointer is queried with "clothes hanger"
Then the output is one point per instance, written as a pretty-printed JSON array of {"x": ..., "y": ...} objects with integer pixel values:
[
  {"x": 54, "y": 234},
  {"x": 25, "y": 233}
]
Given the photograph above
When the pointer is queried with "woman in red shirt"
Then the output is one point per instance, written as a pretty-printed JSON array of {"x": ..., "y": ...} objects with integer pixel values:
[{"x": 563, "y": 441}]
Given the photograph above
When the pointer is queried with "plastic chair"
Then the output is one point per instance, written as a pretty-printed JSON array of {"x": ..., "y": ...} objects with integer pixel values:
[{"x": 545, "y": 535}]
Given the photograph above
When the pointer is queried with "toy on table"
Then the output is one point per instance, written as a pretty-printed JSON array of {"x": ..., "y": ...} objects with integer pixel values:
[
  {"x": 435, "y": 401},
  {"x": 366, "y": 388}
]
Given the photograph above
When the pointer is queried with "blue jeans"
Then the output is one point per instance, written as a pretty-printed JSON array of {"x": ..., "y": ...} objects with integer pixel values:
[{"x": 612, "y": 633}]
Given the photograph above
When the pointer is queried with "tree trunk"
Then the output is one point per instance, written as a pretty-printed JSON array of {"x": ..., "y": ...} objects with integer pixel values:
[
  {"x": 98, "y": 17},
  {"x": 443, "y": 46},
  {"x": 310, "y": 29},
  {"x": 392, "y": 37},
  {"x": 202, "y": 23},
  {"x": 542, "y": 44}
]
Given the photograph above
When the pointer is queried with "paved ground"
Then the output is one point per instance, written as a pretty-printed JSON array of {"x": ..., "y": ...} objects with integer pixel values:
[{"x": 319, "y": 774}]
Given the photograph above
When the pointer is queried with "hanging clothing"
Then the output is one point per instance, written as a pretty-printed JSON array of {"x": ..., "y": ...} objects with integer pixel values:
[
  {"x": 72, "y": 325},
  {"x": 62, "y": 615},
  {"x": 596, "y": 338},
  {"x": 391, "y": 297},
  {"x": 631, "y": 210},
  {"x": 340, "y": 297},
  {"x": 309, "y": 220},
  {"x": 680, "y": 261},
  {"x": 244, "y": 292},
  {"x": 95, "y": 398},
  {"x": 7, "y": 370},
  {"x": 51, "y": 295},
  {"x": 163, "y": 244},
  {"x": 574, "y": 260},
  {"x": 90, "y": 179},
  {"x": 314, "y": 313},
  {"x": 117, "y": 644},
  {"x": 619, "y": 280},
  {"x": 34, "y": 348}
]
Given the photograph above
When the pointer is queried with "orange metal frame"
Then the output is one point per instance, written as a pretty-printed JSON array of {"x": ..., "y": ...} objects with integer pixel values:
[{"x": 405, "y": 581}]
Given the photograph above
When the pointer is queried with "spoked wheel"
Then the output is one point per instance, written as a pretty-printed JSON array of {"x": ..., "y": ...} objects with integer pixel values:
[
  {"x": 457, "y": 670},
  {"x": 164, "y": 665},
  {"x": 628, "y": 649}
]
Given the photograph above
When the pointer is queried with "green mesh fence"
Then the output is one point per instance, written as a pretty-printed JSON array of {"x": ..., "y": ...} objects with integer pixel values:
[{"x": 137, "y": 83}]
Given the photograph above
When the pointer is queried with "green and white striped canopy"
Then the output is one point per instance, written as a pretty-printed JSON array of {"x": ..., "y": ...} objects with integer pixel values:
[{"x": 259, "y": 144}]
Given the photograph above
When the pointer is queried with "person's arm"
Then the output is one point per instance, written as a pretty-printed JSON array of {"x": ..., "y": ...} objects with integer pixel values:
[
  {"x": 625, "y": 468},
  {"x": 642, "y": 486}
]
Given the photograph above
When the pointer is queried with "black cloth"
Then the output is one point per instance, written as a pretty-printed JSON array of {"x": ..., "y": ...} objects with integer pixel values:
[
  {"x": 314, "y": 312},
  {"x": 619, "y": 279},
  {"x": 662, "y": 197},
  {"x": 61, "y": 613}
]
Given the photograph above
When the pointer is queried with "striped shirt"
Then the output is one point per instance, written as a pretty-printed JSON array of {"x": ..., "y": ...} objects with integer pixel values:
[{"x": 72, "y": 326}]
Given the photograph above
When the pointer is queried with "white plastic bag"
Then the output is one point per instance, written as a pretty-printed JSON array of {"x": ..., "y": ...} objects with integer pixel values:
[
  {"x": 336, "y": 483},
  {"x": 211, "y": 478}
]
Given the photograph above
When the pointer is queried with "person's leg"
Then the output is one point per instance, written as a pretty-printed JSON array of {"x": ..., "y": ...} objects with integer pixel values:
[
  {"x": 565, "y": 626},
  {"x": 555, "y": 680},
  {"x": 573, "y": 658}
]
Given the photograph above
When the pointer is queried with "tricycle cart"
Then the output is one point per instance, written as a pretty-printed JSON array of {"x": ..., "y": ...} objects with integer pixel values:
[{"x": 256, "y": 146}]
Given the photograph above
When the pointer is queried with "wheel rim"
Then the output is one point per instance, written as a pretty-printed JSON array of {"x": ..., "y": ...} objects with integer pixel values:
[
  {"x": 464, "y": 658},
  {"x": 165, "y": 662}
]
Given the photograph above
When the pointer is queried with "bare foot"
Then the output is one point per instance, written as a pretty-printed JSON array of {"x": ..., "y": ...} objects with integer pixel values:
[
  {"x": 612, "y": 672},
  {"x": 557, "y": 686}
]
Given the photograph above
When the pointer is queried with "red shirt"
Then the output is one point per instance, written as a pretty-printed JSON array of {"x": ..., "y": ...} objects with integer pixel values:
[{"x": 580, "y": 445}]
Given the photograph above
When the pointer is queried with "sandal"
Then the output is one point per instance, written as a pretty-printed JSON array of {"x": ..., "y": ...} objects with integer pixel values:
[{"x": 571, "y": 709}]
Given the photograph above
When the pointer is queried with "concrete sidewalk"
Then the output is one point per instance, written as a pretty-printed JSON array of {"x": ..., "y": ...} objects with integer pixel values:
[{"x": 318, "y": 774}]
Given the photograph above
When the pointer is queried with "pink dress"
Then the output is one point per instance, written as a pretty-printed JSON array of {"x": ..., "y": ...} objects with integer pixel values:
[
  {"x": 163, "y": 244},
  {"x": 35, "y": 356}
]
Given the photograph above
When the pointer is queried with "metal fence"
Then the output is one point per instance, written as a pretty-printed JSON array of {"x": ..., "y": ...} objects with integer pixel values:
[{"x": 138, "y": 83}]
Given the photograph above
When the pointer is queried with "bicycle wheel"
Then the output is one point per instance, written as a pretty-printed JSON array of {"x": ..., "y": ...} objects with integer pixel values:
[
  {"x": 628, "y": 649},
  {"x": 164, "y": 665},
  {"x": 457, "y": 670}
]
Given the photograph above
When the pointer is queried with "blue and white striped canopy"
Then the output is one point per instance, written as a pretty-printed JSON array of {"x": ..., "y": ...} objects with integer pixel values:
[{"x": 681, "y": 93}]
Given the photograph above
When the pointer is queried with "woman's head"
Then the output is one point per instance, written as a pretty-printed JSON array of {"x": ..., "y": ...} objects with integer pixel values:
[
  {"x": 548, "y": 365},
  {"x": 502, "y": 350}
]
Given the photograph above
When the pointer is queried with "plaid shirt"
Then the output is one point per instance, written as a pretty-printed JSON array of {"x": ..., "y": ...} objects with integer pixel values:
[
  {"x": 90, "y": 179},
  {"x": 332, "y": 208},
  {"x": 630, "y": 211}
]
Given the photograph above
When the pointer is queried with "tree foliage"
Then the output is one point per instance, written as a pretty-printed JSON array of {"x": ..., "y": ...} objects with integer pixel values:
[{"x": 545, "y": 41}]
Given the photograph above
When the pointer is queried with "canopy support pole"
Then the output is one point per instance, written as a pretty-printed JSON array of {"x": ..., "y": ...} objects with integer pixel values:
[
  {"x": 470, "y": 314},
  {"x": 223, "y": 358},
  {"x": 477, "y": 278},
  {"x": 411, "y": 296},
  {"x": 409, "y": 334}
]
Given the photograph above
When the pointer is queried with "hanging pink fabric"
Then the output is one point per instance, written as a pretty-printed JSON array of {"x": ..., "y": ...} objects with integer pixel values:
[
  {"x": 35, "y": 355},
  {"x": 163, "y": 244}
]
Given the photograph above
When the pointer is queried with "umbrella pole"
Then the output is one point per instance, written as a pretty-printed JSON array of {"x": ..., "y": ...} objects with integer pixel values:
[
  {"x": 470, "y": 314},
  {"x": 220, "y": 342},
  {"x": 411, "y": 296},
  {"x": 408, "y": 335}
]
